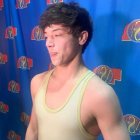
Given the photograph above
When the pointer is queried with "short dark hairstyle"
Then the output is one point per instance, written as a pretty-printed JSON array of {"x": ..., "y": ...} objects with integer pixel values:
[{"x": 68, "y": 15}]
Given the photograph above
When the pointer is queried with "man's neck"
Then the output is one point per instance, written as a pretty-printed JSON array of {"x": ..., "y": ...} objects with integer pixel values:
[{"x": 70, "y": 70}]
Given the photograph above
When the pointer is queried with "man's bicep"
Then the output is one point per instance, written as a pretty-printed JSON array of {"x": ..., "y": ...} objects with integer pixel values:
[{"x": 110, "y": 119}]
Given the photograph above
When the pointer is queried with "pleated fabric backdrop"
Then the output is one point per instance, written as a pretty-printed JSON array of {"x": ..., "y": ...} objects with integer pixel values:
[{"x": 113, "y": 54}]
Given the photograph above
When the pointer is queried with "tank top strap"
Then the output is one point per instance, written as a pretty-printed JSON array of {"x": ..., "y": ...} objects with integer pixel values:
[
  {"x": 80, "y": 87},
  {"x": 86, "y": 80},
  {"x": 79, "y": 102},
  {"x": 45, "y": 81},
  {"x": 82, "y": 83}
]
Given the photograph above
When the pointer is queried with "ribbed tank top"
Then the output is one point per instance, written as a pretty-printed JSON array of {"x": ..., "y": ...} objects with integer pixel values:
[{"x": 63, "y": 123}]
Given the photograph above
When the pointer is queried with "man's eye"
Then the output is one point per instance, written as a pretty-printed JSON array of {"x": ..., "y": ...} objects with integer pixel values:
[{"x": 57, "y": 35}]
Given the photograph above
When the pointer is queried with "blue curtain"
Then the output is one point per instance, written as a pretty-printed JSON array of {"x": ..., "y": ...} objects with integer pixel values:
[{"x": 113, "y": 54}]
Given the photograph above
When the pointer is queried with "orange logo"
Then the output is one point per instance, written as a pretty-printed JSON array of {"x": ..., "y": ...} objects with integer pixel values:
[
  {"x": 21, "y": 4},
  {"x": 14, "y": 87},
  {"x": 109, "y": 75},
  {"x": 1, "y": 4},
  {"x": 24, "y": 63},
  {"x": 133, "y": 124},
  {"x": 53, "y": 1},
  {"x": 25, "y": 118},
  {"x": 37, "y": 34},
  {"x": 10, "y": 32},
  {"x": 4, "y": 108},
  {"x": 3, "y": 58},
  {"x": 13, "y": 136},
  {"x": 132, "y": 31}
]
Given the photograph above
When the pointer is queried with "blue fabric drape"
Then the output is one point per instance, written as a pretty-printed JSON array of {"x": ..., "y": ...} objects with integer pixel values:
[{"x": 113, "y": 54}]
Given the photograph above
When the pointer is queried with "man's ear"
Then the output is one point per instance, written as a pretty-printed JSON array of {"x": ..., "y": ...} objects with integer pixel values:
[{"x": 83, "y": 37}]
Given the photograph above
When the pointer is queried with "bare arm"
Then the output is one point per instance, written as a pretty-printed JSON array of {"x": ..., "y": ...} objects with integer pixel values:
[
  {"x": 32, "y": 130},
  {"x": 109, "y": 116},
  {"x": 31, "y": 133}
]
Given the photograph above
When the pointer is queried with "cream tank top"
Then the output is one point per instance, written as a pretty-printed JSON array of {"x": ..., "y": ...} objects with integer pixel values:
[{"x": 62, "y": 123}]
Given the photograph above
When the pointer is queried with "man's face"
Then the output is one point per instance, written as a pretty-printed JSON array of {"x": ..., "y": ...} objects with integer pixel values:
[{"x": 61, "y": 44}]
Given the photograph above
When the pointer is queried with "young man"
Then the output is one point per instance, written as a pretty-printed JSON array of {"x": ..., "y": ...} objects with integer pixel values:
[{"x": 70, "y": 102}]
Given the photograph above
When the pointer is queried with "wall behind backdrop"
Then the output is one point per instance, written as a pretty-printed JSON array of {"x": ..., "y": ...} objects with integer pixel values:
[{"x": 113, "y": 54}]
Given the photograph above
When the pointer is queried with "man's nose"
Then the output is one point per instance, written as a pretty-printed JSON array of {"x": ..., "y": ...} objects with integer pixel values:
[{"x": 50, "y": 42}]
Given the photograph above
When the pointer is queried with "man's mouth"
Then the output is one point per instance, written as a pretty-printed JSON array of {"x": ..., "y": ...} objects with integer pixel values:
[{"x": 52, "y": 54}]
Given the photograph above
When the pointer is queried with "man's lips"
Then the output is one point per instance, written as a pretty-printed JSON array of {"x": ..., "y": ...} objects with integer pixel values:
[{"x": 52, "y": 54}]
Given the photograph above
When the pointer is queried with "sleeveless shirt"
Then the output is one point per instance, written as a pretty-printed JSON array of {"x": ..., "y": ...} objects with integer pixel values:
[{"x": 63, "y": 123}]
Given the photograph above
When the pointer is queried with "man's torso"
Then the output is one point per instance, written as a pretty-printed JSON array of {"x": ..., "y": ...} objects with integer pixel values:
[{"x": 57, "y": 93}]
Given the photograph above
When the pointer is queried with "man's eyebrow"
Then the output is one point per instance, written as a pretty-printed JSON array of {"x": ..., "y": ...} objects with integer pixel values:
[
  {"x": 58, "y": 29},
  {"x": 55, "y": 30}
]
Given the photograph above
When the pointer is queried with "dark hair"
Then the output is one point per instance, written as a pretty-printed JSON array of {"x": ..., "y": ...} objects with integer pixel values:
[{"x": 69, "y": 15}]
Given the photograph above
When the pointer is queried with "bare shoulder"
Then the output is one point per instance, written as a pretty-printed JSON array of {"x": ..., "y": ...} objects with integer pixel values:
[
  {"x": 100, "y": 87},
  {"x": 36, "y": 82},
  {"x": 102, "y": 95}
]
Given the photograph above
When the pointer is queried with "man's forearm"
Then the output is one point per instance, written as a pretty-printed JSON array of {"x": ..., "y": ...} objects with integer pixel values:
[{"x": 31, "y": 135}]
